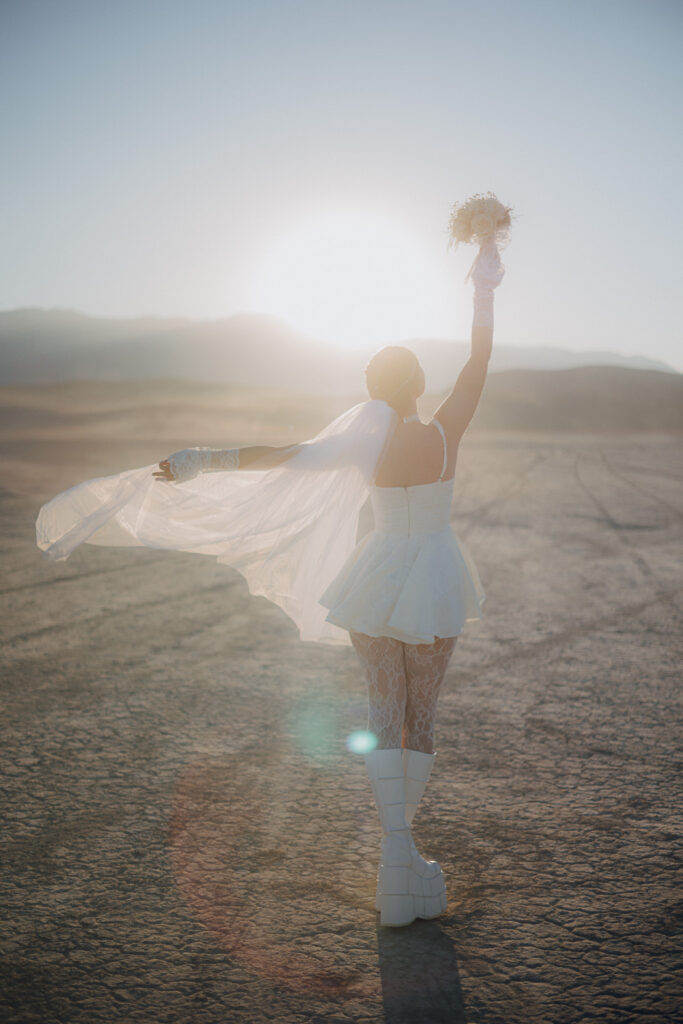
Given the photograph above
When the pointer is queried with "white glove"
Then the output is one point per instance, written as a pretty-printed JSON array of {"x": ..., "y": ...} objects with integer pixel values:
[
  {"x": 190, "y": 462},
  {"x": 487, "y": 272}
]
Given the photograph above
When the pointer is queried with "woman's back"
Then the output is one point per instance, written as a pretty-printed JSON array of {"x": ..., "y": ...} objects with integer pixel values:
[
  {"x": 412, "y": 511},
  {"x": 417, "y": 454}
]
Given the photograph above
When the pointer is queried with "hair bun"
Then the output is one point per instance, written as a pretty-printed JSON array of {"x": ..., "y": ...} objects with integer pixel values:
[{"x": 390, "y": 370}]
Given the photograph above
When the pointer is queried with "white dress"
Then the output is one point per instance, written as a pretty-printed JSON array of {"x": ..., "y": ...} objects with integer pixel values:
[{"x": 410, "y": 578}]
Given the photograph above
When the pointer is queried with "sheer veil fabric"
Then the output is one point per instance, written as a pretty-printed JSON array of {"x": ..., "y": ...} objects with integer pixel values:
[{"x": 288, "y": 530}]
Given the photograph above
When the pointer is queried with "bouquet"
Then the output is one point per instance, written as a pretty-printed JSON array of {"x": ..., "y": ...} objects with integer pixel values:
[
  {"x": 480, "y": 218},
  {"x": 484, "y": 220}
]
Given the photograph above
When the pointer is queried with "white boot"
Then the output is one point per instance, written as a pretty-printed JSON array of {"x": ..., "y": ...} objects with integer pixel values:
[
  {"x": 403, "y": 894},
  {"x": 417, "y": 767}
]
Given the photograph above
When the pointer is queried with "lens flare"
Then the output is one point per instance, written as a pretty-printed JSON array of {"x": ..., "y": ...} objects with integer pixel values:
[
  {"x": 361, "y": 742},
  {"x": 313, "y": 722}
]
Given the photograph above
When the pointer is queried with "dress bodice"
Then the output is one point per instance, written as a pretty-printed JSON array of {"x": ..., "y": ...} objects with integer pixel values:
[
  {"x": 424, "y": 508},
  {"x": 408, "y": 578}
]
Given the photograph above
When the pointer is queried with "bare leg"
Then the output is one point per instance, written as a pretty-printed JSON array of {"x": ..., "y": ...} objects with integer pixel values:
[
  {"x": 426, "y": 666},
  {"x": 384, "y": 668}
]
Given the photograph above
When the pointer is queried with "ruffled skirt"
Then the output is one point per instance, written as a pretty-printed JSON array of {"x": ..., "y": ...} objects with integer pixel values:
[{"x": 414, "y": 588}]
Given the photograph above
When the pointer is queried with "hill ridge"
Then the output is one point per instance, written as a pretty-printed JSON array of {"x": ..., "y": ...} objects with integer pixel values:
[{"x": 39, "y": 346}]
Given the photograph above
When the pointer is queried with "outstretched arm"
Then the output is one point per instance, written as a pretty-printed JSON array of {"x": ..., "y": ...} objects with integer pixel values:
[
  {"x": 187, "y": 464},
  {"x": 265, "y": 456},
  {"x": 456, "y": 412}
]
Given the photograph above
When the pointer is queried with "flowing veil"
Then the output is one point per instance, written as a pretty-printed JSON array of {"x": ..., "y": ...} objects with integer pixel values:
[{"x": 288, "y": 530}]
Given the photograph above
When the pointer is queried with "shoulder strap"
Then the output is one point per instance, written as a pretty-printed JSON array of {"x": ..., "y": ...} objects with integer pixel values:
[{"x": 443, "y": 438}]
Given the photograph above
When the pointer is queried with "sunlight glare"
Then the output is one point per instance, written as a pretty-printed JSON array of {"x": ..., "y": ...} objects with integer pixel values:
[{"x": 349, "y": 278}]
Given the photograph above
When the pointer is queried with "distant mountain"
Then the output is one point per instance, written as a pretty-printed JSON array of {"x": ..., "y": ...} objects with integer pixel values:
[
  {"x": 583, "y": 399},
  {"x": 40, "y": 346},
  {"x": 435, "y": 356}
]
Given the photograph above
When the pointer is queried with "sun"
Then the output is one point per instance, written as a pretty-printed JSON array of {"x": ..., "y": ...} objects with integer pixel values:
[{"x": 350, "y": 278}]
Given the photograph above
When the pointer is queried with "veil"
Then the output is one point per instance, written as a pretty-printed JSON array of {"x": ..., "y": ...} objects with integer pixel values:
[{"x": 288, "y": 530}]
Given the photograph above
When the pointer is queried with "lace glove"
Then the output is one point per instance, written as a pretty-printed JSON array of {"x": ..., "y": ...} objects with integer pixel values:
[
  {"x": 190, "y": 462},
  {"x": 486, "y": 272}
]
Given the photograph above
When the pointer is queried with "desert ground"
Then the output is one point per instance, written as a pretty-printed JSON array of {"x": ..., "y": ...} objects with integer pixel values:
[{"x": 187, "y": 837}]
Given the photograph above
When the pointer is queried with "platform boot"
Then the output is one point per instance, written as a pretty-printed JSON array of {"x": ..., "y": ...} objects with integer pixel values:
[
  {"x": 403, "y": 893},
  {"x": 417, "y": 767}
]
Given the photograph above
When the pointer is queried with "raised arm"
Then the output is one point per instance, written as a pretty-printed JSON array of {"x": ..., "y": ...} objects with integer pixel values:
[{"x": 456, "y": 412}]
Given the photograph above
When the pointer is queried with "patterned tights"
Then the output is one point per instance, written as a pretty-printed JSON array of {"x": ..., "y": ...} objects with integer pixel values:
[{"x": 403, "y": 688}]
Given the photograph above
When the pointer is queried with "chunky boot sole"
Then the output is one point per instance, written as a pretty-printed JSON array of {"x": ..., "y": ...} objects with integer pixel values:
[
  {"x": 429, "y": 896},
  {"x": 396, "y": 911},
  {"x": 432, "y": 891},
  {"x": 399, "y": 909},
  {"x": 404, "y": 893},
  {"x": 430, "y": 886}
]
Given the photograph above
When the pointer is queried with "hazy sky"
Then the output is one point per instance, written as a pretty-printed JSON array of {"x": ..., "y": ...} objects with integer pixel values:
[{"x": 300, "y": 157}]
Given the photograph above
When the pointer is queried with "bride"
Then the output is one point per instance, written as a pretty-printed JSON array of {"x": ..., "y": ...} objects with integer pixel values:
[{"x": 287, "y": 519}]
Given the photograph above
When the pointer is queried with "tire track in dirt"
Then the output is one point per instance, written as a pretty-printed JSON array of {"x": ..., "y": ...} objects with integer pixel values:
[
  {"x": 100, "y": 617},
  {"x": 678, "y": 512},
  {"x": 49, "y": 581},
  {"x": 478, "y": 516},
  {"x": 617, "y": 528},
  {"x": 656, "y": 472},
  {"x": 527, "y": 651}
]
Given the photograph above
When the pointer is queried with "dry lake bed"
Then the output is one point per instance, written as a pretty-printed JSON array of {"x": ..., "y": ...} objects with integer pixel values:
[{"x": 187, "y": 837}]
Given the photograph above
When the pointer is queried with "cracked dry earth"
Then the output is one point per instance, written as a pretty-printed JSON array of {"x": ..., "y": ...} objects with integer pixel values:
[{"x": 187, "y": 839}]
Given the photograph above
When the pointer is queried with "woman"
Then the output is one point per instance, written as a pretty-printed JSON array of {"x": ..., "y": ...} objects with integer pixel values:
[
  {"x": 287, "y": 519},
  {"x": 402, "y": 619},
  {"x": 414, "y": 622}
]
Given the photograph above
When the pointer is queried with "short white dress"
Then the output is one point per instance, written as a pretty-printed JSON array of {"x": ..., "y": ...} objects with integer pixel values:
[{"x": 410, "y": 578}]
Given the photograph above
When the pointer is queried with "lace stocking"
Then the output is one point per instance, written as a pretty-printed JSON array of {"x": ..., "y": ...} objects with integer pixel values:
[
  {"x": 426, "y": 666},
  {"x": 382, "y": 660},
  {"x": 403, "y": 688}
]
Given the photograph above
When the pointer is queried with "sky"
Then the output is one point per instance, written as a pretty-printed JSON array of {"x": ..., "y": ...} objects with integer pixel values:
[{"x": 300, "y": 158}]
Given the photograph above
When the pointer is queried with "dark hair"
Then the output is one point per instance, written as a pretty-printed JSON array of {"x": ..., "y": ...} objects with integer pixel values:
[{"x": 390, "y": 372}]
